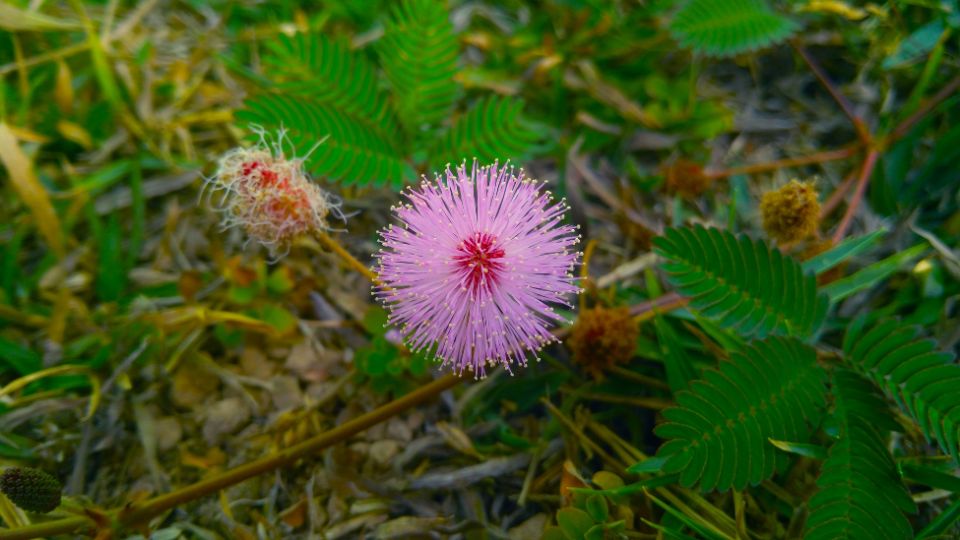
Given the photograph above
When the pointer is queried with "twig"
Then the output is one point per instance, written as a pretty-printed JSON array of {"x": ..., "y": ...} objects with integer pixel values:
[
  {"x": 837, "y": 196},
  {"x": 138, "y": 513},
  {"x": 841, "y": 100},
  {"x": 865, "y": 174},
  {"x": 819, "y": 157}
]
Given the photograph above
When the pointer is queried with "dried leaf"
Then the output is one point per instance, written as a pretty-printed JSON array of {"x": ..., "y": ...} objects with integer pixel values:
[{"x": 28, "y": 186}]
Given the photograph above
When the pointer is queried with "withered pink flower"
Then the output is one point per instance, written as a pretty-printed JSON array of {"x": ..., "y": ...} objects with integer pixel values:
[
  {"x": 269, "y": 195},
  {"x": 473, "y": 269}
]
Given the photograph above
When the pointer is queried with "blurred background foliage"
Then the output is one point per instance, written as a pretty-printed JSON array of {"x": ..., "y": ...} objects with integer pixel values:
[{"x": 147, "y": 348}]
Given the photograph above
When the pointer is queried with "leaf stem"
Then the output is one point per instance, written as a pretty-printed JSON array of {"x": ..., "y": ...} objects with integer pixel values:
[
  {"x": 862, "y": 181},
  {"x": 862, "y": 132}
]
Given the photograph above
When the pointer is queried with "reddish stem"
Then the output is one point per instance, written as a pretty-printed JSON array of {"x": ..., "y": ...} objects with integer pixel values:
[
  {"x": 837, "y": 196},
  {"x": 841, "y": 100},
  {"x": 865, "y": 174},
  {"x": 819, "y": 157}
]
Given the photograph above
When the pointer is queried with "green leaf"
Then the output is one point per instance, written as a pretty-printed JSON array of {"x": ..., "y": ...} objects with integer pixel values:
[
  {"x": 111, "y": 274},
  {"x": 860, "y": 493},
  {"x": 351, "y": 152},
  {"x": 278, "y": 317},
  {"x": 648, "y": 466},
  {"x": 419, "y": 52},
  {"x": 942, "y": 523},
  {"x": 921, "y": 379},
  {"x": 871, "y": 275},
  {"x": 917, "y": 44},
  {"x": 597, "y": 508},
  {"x": 814, "y": 451},
  {"x": 851, "y": 247},
  {"x": 574, "y": 522},
  {"x": 493, "y": 129},
  {"x": 718, "y": 433},
  {"x": 742, "y": 283},
  {"x": 728, "y": 27},
  {"x": 680, "y": 370},
  {"x": 327, "y": 71},
  {"x": 23, "y": 360}
]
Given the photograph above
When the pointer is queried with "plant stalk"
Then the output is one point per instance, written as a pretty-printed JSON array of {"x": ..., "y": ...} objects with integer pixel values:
[{"x": 141, "y": 513}]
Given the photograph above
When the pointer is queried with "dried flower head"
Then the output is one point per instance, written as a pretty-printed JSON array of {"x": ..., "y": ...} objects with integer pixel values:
[
  {"x": 269, "y": 195},
  {"x": 474, "y": 266},
  {"x": 603, "y": 337},
  {"x": 687, "y": 179},
  {"x": 792, "y": 212}
]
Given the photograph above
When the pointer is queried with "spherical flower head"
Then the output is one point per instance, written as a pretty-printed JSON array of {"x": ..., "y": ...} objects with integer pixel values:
[
  {"x": 268, "y": 195},
  {"x": 473, "y": 270},
  {"x": 791, "y": 213},
  {"x": 603, "y": 337}
]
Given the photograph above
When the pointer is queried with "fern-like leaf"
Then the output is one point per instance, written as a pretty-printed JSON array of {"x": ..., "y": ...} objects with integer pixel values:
[
  {"x": 860, "y": 493},
  {"x": 743, "y": 283},
  {"x": 419, "y": 53},
  {"x": 352, "y": 152},
  {"x": 492, "y": 129},
  {"x": 327, "y": 71},
  {"x": 728, "y": 27},
  {"x": 720, "y": 429},
  {"x": 921, "y": 379}
]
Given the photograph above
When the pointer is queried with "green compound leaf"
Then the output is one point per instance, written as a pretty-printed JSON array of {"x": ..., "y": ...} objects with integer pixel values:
[
  {"x": 419, "y": 54},
  {"x": 493, "y": 129},
  {"x": 742, "y": 283},
  {"x": 860, "y": 493},
  {"x": 921, "y": 379},
  {"x": 327, "y": 71},
  {"x": 352, "y": 152},
  {"x": 719, "y": 431},
  {"x": 729, "y": 27}
]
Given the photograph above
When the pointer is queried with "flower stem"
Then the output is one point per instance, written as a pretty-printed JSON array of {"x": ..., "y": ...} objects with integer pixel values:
[{"x": 328, "y": 242}]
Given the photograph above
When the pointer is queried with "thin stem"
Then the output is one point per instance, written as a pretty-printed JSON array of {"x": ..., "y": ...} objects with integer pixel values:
[
  {"x": 142, "y": 512},
  {"x": 865, "y": 174},
  {"x": 661, "y": 304},
  {"x": 841, "y": 100},
  {"x": 819, "y": 157},
  {"x": 351, "y": 261},
  {"x": 837, "y": 196}
]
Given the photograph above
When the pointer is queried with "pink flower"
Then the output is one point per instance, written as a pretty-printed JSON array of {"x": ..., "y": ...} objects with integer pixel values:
[{"x": 471, "y": 272}]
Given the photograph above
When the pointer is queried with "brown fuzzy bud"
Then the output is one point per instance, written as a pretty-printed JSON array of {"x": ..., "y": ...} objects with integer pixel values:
[
  {"x": 686, "y": 179},
  {"x": 31, "y": 489},
  {"x": 791, "y": 213},
  {"x": 603, "y": 337}
]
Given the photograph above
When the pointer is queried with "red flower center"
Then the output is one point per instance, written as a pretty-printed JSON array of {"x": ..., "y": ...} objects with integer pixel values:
[{"x": 481, "y": 258}]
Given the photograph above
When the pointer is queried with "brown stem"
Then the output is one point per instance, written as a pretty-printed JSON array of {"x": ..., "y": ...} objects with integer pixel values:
[
  {"x": 841, "y": 100},
  {"x": 837, "y": 196},
  {"x": 904, "y": 127},
  {"x": 140, "y": 513},
  {"x": 819, "y": 157},
  {"x": 862, "y": 182}
]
